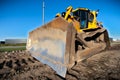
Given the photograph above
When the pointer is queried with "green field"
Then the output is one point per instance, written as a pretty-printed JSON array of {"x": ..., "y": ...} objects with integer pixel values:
[
  {"x": 12, "y": 47},
  {"x": 21, "y": 44}
]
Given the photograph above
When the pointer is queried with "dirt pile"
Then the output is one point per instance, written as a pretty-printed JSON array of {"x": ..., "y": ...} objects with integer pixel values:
[{"x": 21, "y": 66}]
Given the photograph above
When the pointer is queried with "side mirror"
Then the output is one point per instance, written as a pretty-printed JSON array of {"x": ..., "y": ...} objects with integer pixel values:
[{"x": 97, "y": 11}]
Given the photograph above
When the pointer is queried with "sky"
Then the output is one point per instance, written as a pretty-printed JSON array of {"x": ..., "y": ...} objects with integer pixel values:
[{"x": 19, "y": 17}]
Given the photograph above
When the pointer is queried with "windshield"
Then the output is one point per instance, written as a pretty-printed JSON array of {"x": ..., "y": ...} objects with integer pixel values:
[{"x": 82, "y": 17}]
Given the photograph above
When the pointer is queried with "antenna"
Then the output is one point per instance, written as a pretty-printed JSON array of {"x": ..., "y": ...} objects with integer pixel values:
[{"x": 43, "y": 19}]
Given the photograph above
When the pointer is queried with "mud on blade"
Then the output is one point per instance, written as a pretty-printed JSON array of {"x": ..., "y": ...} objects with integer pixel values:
[{"x": 49, "y": 44}]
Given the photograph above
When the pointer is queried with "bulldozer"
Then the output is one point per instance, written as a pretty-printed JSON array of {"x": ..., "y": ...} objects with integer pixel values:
[{"x": 72, "y": 36}]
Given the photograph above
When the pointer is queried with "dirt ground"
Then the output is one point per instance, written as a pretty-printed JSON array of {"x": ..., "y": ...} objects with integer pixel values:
[{"x": 18, "y": 65}]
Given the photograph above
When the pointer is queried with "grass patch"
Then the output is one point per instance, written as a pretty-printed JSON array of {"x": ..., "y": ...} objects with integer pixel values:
[
  {"x": 11, "y": 49},
  {"x": 20, "y": 44}
]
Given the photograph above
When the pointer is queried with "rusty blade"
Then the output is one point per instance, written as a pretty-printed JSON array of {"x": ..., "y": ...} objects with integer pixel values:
[{"x": 48, "y": 44}]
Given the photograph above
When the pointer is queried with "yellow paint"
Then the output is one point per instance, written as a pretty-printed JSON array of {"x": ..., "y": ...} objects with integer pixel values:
[{"x": 70, "y": 18}]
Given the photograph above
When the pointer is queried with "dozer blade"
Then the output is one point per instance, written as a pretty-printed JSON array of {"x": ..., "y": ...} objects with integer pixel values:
[{"x": 51, "y": 44}]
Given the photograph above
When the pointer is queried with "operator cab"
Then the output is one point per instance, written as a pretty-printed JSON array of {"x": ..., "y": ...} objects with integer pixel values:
[{"x": 81, "y": 15}]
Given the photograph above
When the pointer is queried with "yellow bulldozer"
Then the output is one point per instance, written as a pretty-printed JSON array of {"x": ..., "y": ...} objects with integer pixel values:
[{"x": 73, "y": 36}]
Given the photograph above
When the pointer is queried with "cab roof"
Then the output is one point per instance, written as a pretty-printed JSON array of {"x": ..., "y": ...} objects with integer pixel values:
[{"x": 85, "y": 9}]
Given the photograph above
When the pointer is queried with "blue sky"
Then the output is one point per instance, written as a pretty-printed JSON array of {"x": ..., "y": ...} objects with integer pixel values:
[{"x": 18, "y": 17}]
